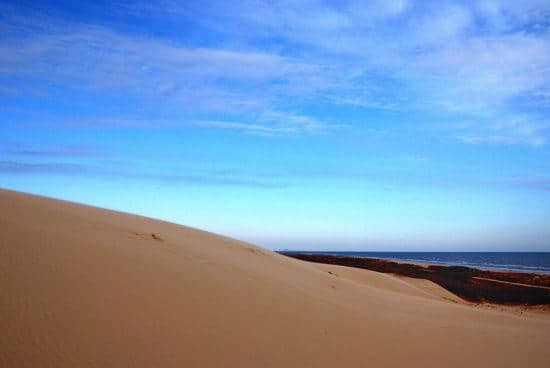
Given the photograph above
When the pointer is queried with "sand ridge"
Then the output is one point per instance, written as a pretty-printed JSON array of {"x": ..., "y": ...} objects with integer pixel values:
[{"x": 83, "y": 286}]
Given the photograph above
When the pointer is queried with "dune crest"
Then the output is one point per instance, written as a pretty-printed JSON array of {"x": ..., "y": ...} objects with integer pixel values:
[{"x": 88, "y": 287}]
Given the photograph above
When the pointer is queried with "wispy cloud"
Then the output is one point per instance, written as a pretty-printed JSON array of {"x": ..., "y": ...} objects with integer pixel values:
[
  {"x": 71, "y": 150},
  {"x": 249, "y": 128},
  {"x": 208, "y": 178},
  {"x": 523, "y": 129},
  {"x": 274, "y": 123},
  {"x": 268, "y": 123},
  {"x": 96, "y": 57},
  {"x": 16, "y": 167}
]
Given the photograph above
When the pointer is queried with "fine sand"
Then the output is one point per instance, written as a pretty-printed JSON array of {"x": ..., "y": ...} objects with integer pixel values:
[{"x": 83, "y": 287}]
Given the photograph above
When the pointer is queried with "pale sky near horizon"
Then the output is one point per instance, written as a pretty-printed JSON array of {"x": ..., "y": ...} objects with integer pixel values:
[{"x": 344, "y": 125}]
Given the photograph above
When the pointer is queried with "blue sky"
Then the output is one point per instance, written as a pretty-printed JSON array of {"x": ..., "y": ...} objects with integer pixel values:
[{"x": 350, "y": 125}]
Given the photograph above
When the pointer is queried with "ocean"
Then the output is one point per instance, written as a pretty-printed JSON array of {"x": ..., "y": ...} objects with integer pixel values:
[{"x": 514, "y": 261}]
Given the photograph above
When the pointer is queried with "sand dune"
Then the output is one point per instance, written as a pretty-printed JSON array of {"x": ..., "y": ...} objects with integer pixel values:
[{"x": 83, "y": 286}]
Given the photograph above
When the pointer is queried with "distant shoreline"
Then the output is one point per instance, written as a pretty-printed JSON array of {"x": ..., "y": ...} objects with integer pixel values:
[
  {"x": 472, "y": 284},
  {"x": 391, "y": 256}
]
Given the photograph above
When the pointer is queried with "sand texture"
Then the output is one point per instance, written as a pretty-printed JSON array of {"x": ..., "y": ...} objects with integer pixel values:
[{"x": 87, "y": 287}]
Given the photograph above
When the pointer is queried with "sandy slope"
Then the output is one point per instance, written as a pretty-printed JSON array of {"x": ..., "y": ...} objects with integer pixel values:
[{"x": 83, "y": 286}]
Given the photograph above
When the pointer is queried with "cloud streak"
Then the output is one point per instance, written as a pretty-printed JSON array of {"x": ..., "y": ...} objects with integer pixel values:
[
  {"x": 522, "y": 129},
  {"x": 71, "y": 150},
  {"x": 215, "y": 179}
]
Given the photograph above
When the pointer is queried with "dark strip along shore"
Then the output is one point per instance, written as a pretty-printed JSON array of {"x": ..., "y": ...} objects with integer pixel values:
[{"x": 471, "y": 284}]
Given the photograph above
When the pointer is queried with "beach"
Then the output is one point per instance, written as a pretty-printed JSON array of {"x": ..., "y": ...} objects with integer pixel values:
[{"x": 89, "y": 287}]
